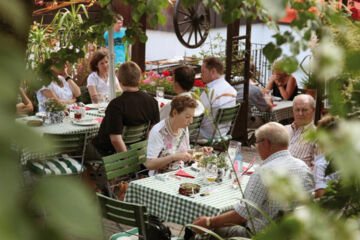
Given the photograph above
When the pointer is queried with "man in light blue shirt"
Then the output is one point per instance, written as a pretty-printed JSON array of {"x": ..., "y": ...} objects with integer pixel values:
[{"x": 119, "y": 43}]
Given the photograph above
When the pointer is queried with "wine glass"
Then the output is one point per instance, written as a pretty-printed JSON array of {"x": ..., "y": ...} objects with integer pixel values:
[{"x": 159, "y": 92}]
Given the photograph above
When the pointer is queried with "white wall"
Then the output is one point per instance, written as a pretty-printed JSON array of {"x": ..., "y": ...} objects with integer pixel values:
[{"x": 165, "y": 45}]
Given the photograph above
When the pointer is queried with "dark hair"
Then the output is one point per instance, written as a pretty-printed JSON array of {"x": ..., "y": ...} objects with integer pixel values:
[
  {"x": 185, "y": 76},
  {"x": 180, "y": 103},
  {"x": 129, "y": 74},
  {"x": 213, "y": 62},
  {"x": 96, "y": 58}
]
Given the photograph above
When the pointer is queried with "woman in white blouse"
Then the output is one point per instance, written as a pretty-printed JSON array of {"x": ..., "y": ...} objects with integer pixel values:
[
  {"x": 65, "y": 90},
  {"x": 98, "y": 81}
]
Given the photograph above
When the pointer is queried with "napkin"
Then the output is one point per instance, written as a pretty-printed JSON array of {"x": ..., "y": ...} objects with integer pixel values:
[
  {"x": 77, "y": 107},
  {"x": 248, "y": 172},
  {"x": 182, "y": 173},
  {"x": 274, "y": 104},
  {"x": 99, "y": 119}
]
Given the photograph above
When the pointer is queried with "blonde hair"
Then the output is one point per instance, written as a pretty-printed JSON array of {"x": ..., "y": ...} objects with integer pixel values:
[
  {"x": 129, "y": 74},
  {"x": 274, "y": 132}
]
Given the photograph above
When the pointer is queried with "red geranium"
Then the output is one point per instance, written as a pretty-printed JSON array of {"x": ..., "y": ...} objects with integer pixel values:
[
  {"x": 166, "y": 73},
  {"x": 198, "y": 83}
]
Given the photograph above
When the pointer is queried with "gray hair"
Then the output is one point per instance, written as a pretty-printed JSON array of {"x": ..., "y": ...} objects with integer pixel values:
[
  {"x": 307, "y": 98},
  {"x": 274, "y": 132}
]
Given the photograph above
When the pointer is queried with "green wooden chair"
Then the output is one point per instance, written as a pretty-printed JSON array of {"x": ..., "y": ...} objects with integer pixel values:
[
  {"x": 223, "y": 116},
  {"x": 194, "y": 128},
  {"x": 133, "y": 134},
  {"x": 124, "y": 165},
  {"x": 130, "y": 214},
  {"x": 69, "y": 151}
]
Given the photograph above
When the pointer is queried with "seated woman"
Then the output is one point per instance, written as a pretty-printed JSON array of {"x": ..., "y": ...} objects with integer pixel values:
[
  {"x": 282, "y": 84},
  {"x": 183, "y": 81},
  {"x": 168, "y": 142},
  {"x": 64, "y": 90},
  {"x": 25, "y": 106},
  {"x": 98, "y": 81}
]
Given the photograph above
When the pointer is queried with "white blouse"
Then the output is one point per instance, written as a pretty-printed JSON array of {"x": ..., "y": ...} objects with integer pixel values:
[
  {"x": 63, "y": 93},
  {"x": 101, "y": 87}
]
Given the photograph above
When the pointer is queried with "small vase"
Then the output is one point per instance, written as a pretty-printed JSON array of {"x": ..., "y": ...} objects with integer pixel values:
[{"x": 55, "y": 117}]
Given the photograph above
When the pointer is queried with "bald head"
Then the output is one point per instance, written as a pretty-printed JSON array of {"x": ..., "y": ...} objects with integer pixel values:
[{"x": 303, "y": 109}]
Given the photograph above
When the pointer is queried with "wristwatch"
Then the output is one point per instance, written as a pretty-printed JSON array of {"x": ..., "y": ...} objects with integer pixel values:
[
  {"x": 67, "y": 78},
  {"x": 208, "y": 222}
]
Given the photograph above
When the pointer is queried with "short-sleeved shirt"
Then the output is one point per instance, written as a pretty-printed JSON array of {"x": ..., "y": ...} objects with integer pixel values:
[
  {"x": 119, "y": 45},
  {"x": 129, "y": 109},
  {"x": 256, "y": 97},
  {"x": 300, "y": 148},
  {"x": 162, "y": 143},
  {"x": 224, "y": 96},
  {"x": 256, "y": 191},
  {"x": 63, "y": 93},
  {"x": 101, "y": 87},
  {"x": 320, "y": 165}
]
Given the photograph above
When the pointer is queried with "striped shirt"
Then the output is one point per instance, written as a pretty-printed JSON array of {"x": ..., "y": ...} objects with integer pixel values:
[
  {"x": 299, "y": 148},
  {"x": 257, "y": 193}
]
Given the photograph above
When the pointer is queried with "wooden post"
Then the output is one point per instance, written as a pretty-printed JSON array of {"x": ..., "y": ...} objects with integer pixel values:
[{"x": 138, "y": 49}]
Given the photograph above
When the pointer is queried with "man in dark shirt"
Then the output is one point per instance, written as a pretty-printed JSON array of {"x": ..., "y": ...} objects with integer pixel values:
[{"x": 133, "y": 107}]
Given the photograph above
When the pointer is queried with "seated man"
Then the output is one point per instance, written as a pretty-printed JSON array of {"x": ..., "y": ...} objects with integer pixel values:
[
  {"x": 272, "y": 143},
  {"x": 133, "y": 107},
  {"x": 303, "y": 109},
  {"x": 223, "y": 95}
]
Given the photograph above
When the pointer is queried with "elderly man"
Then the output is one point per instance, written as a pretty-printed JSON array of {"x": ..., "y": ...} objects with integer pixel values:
[
  {"x": 303, "y": 109},
  {"x": 272, "y": 144},
  {"x": 221, "y": 95}
]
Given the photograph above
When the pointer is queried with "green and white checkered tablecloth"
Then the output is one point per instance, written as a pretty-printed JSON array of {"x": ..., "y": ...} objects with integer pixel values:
[
  {"x": 67, "y": 127},
  {"x": 282, "y": 111},
  {"x": 95, "y": 113},
  {"x": 163, "y": 200}
]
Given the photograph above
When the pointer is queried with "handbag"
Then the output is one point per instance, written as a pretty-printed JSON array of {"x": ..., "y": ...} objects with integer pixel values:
[{"x": 157, "y": 230}]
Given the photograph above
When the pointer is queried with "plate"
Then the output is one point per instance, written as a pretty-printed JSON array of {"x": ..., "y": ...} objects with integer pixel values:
[
  {"x": 92, "y": 105},
  {"x": 85, "y": 122},
  {"x": 277, "y": 98},
  {"x": 40, "y": 114}
]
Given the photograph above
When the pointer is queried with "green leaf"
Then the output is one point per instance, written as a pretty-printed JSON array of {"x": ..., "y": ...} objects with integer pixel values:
[
  {"x": 272, "y": 52},
  {"x": 276, "y": 8}
]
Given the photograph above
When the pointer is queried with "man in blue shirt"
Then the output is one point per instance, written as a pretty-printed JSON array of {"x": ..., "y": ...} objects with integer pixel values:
[{"x": 119, "y": 43}]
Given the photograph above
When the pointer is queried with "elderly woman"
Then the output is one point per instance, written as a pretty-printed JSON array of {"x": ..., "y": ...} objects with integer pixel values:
[
  {"x": 282, "y": 84},
  {"x": 168, "y": 143},
  {"x": 183, "y": 81},
  {"x": 65, "y": 90},
  {"x": 98, "y": 81}
]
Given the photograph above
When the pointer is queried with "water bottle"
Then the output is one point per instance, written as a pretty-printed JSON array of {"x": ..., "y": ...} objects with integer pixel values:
[{"x": 238, "y": 159}]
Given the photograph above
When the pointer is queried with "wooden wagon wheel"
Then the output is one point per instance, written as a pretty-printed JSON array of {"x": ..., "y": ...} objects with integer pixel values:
[{"x": 192, "y": 24}]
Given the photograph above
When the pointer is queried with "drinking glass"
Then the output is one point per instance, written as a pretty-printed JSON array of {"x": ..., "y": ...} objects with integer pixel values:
[
  {"x": 198, "y": 154},
  {"x": 211, "y": 173},
  {"x": 268, "y": 95},
  {"x": 159, "y": 92},
  {"x": 233, "y": 146}
]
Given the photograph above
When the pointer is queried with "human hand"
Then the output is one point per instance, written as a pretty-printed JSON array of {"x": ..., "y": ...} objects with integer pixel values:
[
  {"x": 200, "y": 221},
  {"x": 184, "y": 156},
  {"x": 207, "y": 150}
]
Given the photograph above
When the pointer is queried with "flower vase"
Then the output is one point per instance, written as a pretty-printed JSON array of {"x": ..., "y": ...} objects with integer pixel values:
[{"x": 55, "y": 117}]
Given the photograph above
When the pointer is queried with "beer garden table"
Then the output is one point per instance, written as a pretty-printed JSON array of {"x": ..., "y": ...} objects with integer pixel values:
[
  {"x": 66, "y": 127},
  {"x": 162, "y": 198},
  {"x": 282, "y": 111}
]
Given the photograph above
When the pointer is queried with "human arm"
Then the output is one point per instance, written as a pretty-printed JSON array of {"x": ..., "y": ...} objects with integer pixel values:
[
  {"x": 50, "y": 94},
  {"x": 74, "y": 88},
  {"x": 26, "y": 106},
  {"x": 287, "y": 92},
  {"x": 157, "y": 163},
  {"x": 227, "y": 219},
  {"x": 93, "y": 93},
  {"x": 269, "y": 85},
  {"x": 118, "y": 143}
]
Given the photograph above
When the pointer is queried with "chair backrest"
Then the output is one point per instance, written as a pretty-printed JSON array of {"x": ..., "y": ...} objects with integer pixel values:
[
  {"x": 133, "y": 134},
  {"x": 226, "y": 115},
  {"x": 69, "y": 143},
  {"x": 194, "y": 128},
  {"x": 130, "y": 214},
  {"x": 120, "y": 164}
]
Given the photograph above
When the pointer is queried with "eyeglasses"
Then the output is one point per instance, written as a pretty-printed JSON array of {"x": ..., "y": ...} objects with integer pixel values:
[
  {"x": 258, "y": 141},
  {"x": 304, "y": 110}
]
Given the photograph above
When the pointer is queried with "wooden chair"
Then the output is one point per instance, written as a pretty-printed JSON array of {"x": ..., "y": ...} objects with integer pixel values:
[
  {"x": 223, "y": 116},
  {"x": 121, "y": 165},
  {"x": 130, "y": 214},
  {"x": 133, "y": 134},
  {"x": 69, "y": 150},
  {"x": 194, "y": 128}
]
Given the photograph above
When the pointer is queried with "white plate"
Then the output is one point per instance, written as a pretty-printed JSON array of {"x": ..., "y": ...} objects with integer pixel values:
[
  {"x": 277, "y": 98},
  {"x": 40, "y": 114},
  {"x": 92, "y": 105},
  {"x": 85, "y": 122}
]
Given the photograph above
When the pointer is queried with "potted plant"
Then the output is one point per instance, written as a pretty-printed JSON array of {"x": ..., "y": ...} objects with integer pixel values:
[
  {"x": 151, "y": 80},
  {"x": 308, "y": 82},
  {"x": 55, "y": 111}
]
